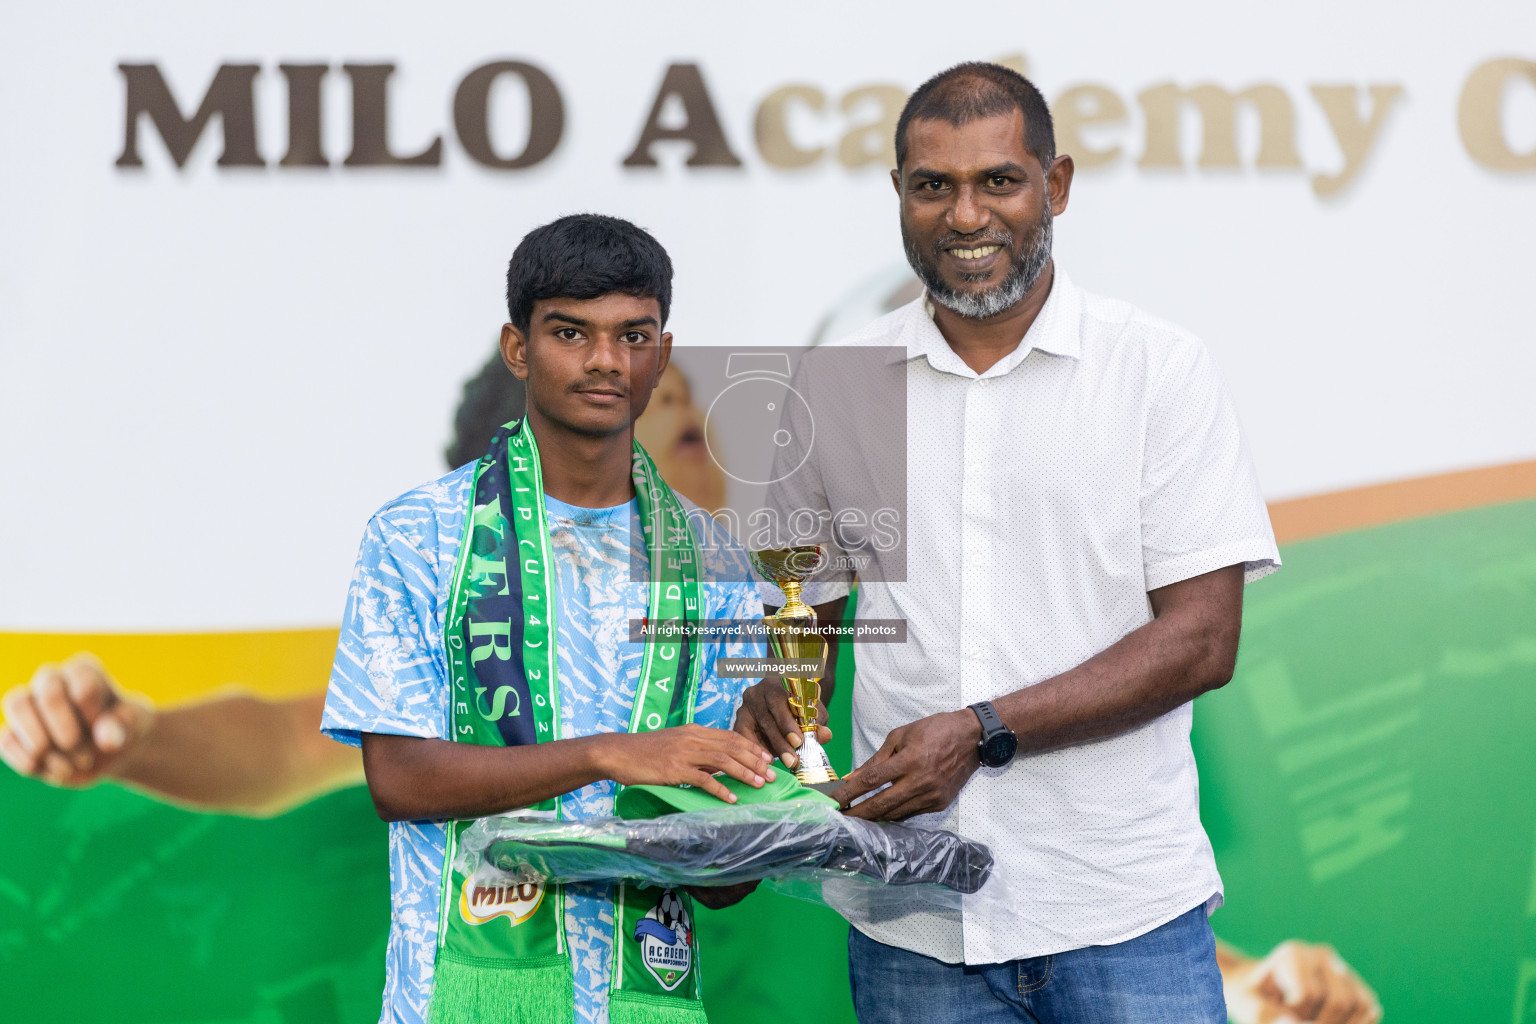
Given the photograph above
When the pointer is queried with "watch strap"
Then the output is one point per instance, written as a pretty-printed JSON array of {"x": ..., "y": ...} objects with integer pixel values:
[
  {"x": 990, "y": 721},
  {"x": 992, "y": 731}
]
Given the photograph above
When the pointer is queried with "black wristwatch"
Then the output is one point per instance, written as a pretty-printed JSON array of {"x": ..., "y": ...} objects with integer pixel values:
[{"x": 998, "y": 743}]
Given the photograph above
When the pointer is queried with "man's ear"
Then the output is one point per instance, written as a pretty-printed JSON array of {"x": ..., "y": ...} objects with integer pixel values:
[
  {"x": 514, "y": 350},
  {"x": 896, "y": 179},
  {"x": 1059, "y": 181}
]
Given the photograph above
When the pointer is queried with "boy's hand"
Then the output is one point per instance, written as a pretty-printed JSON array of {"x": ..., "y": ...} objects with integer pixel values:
[
  {"x": 765, "y": 718},
  {"x": 688, "y": 755}
]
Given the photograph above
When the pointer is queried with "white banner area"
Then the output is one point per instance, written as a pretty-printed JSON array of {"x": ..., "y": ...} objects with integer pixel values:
[{"x": 250, "y": 255}]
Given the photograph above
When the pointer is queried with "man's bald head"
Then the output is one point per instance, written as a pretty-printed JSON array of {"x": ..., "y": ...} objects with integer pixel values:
[{"x": 975, "y": 90}]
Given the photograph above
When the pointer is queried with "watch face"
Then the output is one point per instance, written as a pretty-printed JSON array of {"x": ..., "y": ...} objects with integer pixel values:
[{"x": 998, "y": 749}]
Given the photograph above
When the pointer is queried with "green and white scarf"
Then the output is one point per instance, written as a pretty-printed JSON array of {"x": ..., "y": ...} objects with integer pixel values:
[{"x": 502, "y": 954}]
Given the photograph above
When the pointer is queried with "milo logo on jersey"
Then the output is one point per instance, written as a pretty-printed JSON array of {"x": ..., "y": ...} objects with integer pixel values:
[
  {"x": 484, "y": 897},
  {"x": 665, "y": 935}
]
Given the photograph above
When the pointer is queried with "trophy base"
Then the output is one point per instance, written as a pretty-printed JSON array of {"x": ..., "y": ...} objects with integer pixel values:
[
  {"x": 824, "y": 788},
  {"x": 815, "y": 768}
]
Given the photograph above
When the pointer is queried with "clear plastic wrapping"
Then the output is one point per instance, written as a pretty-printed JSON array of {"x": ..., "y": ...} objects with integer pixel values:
[{"x": 804, "y": 849}]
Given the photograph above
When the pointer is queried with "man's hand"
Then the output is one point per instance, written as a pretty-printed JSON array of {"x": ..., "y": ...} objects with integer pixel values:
[
  {"x": 925, "y": 763},
  {"x": 686, "y": 755},
  {"x": 765, "y": 718},
  {"x": 718, "y": 897},
  {"x": 71, "y": 725},
  {"x": 1297, "y": 983}
]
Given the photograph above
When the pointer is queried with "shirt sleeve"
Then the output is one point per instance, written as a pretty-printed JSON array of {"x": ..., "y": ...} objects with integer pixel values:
[
  {"x": 388, "y": 677},
  {"x": 1201, "y": 508}
]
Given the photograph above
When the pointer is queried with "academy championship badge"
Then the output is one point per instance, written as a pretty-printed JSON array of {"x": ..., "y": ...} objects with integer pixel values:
[{"x": 665, "y": 935}]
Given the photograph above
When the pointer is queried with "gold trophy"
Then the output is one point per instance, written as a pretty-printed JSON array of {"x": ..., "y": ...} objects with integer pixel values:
[{"x": 792, "y": 635}]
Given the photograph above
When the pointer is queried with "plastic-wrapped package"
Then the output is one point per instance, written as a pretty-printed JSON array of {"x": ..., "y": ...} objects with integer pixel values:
[{"x": 805, "y": 849}]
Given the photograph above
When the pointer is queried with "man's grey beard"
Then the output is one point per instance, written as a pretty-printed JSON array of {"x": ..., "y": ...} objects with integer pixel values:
[{"x": 986, "y": 304}]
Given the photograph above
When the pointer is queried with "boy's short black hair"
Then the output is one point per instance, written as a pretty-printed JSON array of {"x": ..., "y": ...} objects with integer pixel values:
[
  {"x": 974, "y": 90},
  {"x": 584, "y": 256}
]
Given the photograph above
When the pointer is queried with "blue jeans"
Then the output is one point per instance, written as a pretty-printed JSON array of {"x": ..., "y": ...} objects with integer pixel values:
[{"x": 1167, "y": 976}]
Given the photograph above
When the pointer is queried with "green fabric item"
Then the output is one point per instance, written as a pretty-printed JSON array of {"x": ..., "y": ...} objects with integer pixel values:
[
  {"x": 640, "y": 802},
  {"x": 643, "y": 1008},
  {"x": 483, "y": 990},
  {"x": 502, "y": 952}
]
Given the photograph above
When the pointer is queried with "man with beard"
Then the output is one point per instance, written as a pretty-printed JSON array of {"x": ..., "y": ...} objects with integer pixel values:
[{"x": 1082, "y": 516}]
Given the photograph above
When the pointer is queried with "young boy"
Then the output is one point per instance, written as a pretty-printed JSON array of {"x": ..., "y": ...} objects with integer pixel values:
[{"x": 485, "y": 662}]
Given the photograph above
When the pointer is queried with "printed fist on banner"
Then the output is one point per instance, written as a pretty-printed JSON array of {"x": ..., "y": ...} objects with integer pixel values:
[
  {"x": 70, "y": 724},
  {"x": 1297, "y": 983}
]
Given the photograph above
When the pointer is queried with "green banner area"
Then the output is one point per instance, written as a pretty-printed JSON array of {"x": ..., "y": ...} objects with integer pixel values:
[
  {"x": 1368, "y": 778},
  {"x": 1367, "y": 781}
]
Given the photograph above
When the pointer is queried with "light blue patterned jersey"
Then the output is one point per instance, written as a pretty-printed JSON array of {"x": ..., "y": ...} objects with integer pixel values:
[{"x": 390, "y": 677}]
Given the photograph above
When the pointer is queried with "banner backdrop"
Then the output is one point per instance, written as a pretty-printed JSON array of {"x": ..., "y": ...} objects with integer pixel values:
[{"x": 250, "y": 256}]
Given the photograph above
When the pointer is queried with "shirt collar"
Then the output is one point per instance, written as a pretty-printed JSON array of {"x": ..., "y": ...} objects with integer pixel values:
[{"x": 1056, "y": 330}]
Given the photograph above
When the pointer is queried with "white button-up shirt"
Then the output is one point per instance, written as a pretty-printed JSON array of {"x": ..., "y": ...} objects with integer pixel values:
[{"x": 1099, "y": 460}]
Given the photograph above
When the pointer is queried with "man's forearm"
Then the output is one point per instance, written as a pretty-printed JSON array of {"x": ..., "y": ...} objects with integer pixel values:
[
  {"x": 1187, "y": 650},
  {"x": 238, "y": 753},
  {"x": 412, "y": 778},
  {"x": 1142, "y": 676}
]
